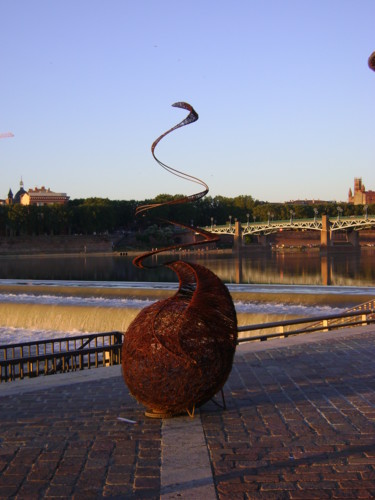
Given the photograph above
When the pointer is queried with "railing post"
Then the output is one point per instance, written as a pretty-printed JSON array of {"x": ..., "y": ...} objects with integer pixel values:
[
  {"x": 4, "y": 373},
  {"x": 21, "y": 364},
  {"x": 96, "y": 352},
  {"x": 37, "y": 362},
  {"x": 281, "y": 329},
  {"x": 106, "y": 358}
]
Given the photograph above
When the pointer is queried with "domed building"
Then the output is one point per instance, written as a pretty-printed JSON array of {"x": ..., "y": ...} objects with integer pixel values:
[
  {"x": 17, "y": 197},
  {"x": 38, "y": 196}
]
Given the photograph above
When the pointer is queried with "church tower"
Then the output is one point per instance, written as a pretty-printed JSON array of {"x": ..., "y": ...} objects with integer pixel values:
[{"x": 9, "y": 200}]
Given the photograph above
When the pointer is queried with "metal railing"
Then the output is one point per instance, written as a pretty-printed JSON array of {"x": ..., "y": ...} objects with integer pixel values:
[
  {"x": 368, "y": 307},
  {"x": 318, "y": 324},
  {"x": 57, "y": 355}
]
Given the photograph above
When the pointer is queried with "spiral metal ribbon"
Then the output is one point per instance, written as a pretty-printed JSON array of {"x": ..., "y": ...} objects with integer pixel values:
[{"x": 142, "y": 209}]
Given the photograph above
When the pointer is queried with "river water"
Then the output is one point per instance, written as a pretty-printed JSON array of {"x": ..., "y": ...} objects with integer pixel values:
[
  {"x": 49, "y": 296},
  {"x": 288, "y": 268}
]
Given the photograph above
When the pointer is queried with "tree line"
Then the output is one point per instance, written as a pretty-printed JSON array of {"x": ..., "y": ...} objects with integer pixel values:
[{"x": 101, "y": 215}]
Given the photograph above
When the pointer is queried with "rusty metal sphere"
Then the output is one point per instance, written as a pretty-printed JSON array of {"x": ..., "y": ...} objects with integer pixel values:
[{"x": 178, "y": 352}]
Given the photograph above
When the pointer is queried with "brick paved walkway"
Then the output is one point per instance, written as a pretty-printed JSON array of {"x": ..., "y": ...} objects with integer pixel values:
[
  {"x": 68, "y": 442},
  {"x": 300, "y": 423}
]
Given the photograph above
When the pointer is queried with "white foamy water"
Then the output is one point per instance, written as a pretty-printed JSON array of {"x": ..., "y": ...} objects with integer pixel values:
[
  {"x": 11, "y": 335},
  {"x": 241, "y": 306},
  {"x": 25, "y": 298}
]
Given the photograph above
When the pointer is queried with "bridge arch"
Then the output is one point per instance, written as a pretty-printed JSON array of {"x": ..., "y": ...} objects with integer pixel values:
[{"x": 351, "y": 225}]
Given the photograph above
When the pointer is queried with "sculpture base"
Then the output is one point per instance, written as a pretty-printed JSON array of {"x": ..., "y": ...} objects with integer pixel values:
[{"x": 156, "y": 414}]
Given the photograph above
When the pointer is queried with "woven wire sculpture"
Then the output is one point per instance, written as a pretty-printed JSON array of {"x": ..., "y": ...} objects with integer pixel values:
[
  {"x": 178, "y": 352},
  {"x": 371, "y": 61}
]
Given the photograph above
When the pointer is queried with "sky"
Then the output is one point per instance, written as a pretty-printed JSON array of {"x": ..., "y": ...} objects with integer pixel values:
[{"x": 285, "y": 97}]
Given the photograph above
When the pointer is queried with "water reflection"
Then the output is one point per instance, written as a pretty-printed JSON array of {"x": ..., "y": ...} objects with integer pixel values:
[
  {"x": 325, "y": 269},
  {"x": 302, "y": 268}
]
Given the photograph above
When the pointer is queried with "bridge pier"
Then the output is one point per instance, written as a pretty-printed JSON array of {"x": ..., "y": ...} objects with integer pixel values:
[
  {"x": 237, "y": 240},
  {"x": 325, "y": 233},
  {"x": 263, "y": 240},
  {"x": 352, "y": 237}
]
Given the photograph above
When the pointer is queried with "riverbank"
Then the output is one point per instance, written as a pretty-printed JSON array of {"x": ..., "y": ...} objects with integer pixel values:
[
  {"x": 50, "y": 244},
  {"x": 80, "y": 244}
]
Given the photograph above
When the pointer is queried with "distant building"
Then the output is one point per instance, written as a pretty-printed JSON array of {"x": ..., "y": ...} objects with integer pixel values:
[
  {"x": 360, "y": 195},
  {"x": 42, "y": 196},
  {"x": 16, "y": 199},
  {"x": 37, "y": 196}
]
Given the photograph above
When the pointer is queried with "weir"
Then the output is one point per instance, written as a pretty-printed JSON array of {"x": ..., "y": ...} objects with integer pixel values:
[
  {"x": 75, "y": 319},
  {"x": 65, "y": 318}
]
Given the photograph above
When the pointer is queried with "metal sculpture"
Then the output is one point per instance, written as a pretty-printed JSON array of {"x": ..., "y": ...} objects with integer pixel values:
[
  {"x": 371, "y": 61},
  {"x": 178, "y": 352}
]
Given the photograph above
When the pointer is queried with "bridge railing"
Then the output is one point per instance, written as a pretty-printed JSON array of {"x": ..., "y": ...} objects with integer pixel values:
[{"x": 336, "y": 224}]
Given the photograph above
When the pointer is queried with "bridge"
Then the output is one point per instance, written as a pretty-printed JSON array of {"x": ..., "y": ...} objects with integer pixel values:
[{"x": 351, "y": 225}]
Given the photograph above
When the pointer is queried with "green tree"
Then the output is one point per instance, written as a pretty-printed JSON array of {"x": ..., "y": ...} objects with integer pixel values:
[{"x": 17, "y": 219}]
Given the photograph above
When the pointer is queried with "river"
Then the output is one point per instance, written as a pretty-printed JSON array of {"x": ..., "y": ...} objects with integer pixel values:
[{"x": 47, "y": 296}]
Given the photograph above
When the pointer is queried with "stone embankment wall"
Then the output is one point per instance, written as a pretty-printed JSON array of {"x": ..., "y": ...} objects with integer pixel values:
[
  {"x": 25, "y": 245},
  {"x": 307, "y": 238}
]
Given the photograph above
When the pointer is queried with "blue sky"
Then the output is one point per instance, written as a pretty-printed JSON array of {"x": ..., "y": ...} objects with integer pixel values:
[{"x": 285, "y": 98}]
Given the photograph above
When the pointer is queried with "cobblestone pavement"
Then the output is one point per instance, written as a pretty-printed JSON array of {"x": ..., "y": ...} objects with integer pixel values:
[
  {"x": 299, "y": 423},
  {"x": 68, "y": 442}
]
